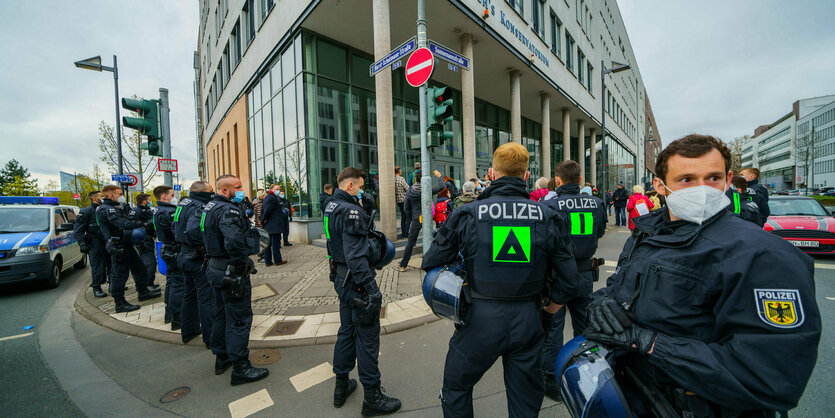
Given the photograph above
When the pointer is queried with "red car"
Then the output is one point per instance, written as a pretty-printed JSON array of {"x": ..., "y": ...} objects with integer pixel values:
[{"x": 803, "y": 222}]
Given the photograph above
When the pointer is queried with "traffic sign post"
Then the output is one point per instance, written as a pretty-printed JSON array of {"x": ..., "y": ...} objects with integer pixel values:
[
  {"x": 419, "y": 67},
  {"x": 178, "y": 188},
  {"x": 167, "y": 165},
  {"x": 76, "y": 196}
]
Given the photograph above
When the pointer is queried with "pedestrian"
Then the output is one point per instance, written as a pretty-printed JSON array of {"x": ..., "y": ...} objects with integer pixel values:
[
  {"x": 452, "y": 188},
  {"x": 230, "y": 239},
  {"x": 508, "y": 253},
  {"x": 540, "y": 189},
  {"x": 117, "y": 228},
  {"x": 273, "y": 221},
  {"x": 414, "y": 176},
  {"x": 90, "y": 240},
  {"x": 198, "y": 306},
  {"x": 325, "y": 197},
  {"x": 586, "y": 218},
  {"x": 443, "y": 207},
  {"x": 168, "y": 252},
  {"x": 619, "y": 199},
  {"x": 638, "y": 204},
  {"x": 552, "y": 190},
  {"x": 758, "y": 193},
  {"x": 742, "y": 203},
  {"x": 697, "y": 295},
  {"x": 610, "y": 200},
  {"x": 400, "y": 190},
  {"x": 286, "y": 216},
  {"x": 358, "y": 338},
  {"x": 586, "y": 190},
  {"x": 468, "y": 195},
  {"x": 413, "y": 208},
  {"x": 147, "y": 248},
  {"x": 258, "y": 205},
  {"x": 656, "y": 201}
]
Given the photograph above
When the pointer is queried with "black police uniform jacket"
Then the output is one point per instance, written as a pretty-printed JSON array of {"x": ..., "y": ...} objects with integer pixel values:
[
  {"x": 346, "y": 228},
  {"x": 586, "y": 218},
  {"x": 146, "y": 215},
  {"x": 114, "y": 221},
  {"x": 86, "y": 229},
  {"x": 164, "y": 222},
  {"x": 226, "y": 231},
  {"x": 733, "y": 305},
  {"x": 186, "y": 223},
  {"x": 509, "y": 243},
  {"x": 742, "y": 205},
  {"x": 760, "y": 197}
]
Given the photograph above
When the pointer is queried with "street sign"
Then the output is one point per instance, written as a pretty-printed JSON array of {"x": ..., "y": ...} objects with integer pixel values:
[
  {"x": 178, "y": 188},
  {"x": 449, "y": 55},
  {"x": 76, "y": 196},
  {"x": 165, "y": 164},
  {"x": 121, "y": 178},
  {"x": 419, "y": 67},
  {"x": 133, "y": 180},
  {"x": 395, "y": 55}
]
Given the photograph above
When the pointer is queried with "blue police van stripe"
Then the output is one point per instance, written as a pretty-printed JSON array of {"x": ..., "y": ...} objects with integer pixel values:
[{"x": 21, "y": 239}]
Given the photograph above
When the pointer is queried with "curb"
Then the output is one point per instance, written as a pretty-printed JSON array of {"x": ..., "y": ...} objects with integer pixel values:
[{"x": 95, "y": 315}]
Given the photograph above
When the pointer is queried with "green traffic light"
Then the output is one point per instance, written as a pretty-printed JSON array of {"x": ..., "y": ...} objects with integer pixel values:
[{"x": 148, "y": 122}]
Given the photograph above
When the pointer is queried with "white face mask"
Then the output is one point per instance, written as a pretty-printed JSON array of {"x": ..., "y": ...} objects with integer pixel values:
[
  {"x": 696, "y": 204},
  {"x": 173, "y": 201},
  {"x": 121, "y": 199}
]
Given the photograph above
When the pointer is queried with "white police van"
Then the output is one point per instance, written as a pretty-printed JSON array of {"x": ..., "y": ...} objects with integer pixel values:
[{"x": 36, "y": 240}]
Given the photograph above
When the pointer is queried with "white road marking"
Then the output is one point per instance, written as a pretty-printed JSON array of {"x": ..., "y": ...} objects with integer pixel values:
[
  {"x": 14, "y": 337},
  {"x": 830, "y": 298},
  {"x": 419, "y": 67},
  {"x": 825, "y": 266},
  {"x": 312, "y": 377},
  {"x": 251, "y": 404}
]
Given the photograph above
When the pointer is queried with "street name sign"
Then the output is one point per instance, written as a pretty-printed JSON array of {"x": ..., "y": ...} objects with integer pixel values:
[
  {"x": 449, "y": 55},
  {"x": 393, "y": 56},
  {"x": 164, "y": 164},
  {"x": 178, "y": 188},
  {"x": 419, "y": 67},
  {"x": 121, "y": 178}
]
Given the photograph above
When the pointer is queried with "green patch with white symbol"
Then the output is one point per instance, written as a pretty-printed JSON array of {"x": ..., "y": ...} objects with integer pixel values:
[{"x": 511, "y": 244}]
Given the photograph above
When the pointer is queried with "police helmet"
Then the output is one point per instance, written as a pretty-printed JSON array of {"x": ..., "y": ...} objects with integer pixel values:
[
  {"x": 380, "y": 249},
  {"x": 587, "y": 381},
  {"x": 442, "y": 290},
  {"x": 249, "y": 213},
  {"x": 136, "y": 236}
]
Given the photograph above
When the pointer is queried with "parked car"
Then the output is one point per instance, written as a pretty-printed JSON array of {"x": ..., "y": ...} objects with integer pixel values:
[
  {"x": 803, "y": 222},
  {"x": 824, "y": 190}
]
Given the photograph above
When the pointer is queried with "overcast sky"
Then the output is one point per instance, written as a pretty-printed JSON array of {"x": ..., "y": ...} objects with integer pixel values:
[
  {"x": 718, "y": 67},
  {"x": 726, "y": 67}
]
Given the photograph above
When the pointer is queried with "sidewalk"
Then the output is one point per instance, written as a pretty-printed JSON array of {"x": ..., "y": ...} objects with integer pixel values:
[{"x": 293, "y": 304}]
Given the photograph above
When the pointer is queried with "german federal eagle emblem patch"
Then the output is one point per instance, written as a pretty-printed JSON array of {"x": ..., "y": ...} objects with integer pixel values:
[{"x": 780, "y": 308}]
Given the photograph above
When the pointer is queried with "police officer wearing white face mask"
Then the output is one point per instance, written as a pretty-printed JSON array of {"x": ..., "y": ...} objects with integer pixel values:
[{"x": 705, "y": 308}]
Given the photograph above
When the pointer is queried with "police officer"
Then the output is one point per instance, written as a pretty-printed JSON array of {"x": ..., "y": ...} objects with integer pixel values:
[
  {"x": 198, "y": 306},
  {"x": 586, "y": 218},
  {"x": 174, "y": 278},
  {"x": 742, "y": 203},
  {"x": 360, "y": 299},
  {"x": 712, "y": 313},
  {"x": 509, "y": 245},
  {"x": 758, "y": 192},
  {"x": 229, "y": 240},
  {"x": 113, "y": 220},
  {"x": 146, "y": 249},
  {"x": 88, "y": 235}
]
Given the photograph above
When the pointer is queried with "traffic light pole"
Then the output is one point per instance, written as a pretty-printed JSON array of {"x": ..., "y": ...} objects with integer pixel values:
[
  {"x": 118, "y": 123},
  {"x": 425, "y": 178},
  {"x": 166, "y": 132}
]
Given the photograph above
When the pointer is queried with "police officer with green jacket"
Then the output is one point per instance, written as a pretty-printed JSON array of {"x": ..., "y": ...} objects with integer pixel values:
[
  {"x": 174, "y": 279},
  {"x": 91, "y": 241}
]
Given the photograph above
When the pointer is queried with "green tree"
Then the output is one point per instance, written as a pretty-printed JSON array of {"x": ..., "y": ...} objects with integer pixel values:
[
  {"x": 10, "y": 171},
  {"x": 21, "y": 186}
]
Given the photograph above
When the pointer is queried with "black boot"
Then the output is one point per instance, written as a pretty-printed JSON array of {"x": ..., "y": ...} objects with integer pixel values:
[
  {"x": 167, "y": 317},
  {"x": 552, "y": 390},
  {"x": 344, "y": 387},
  {"x": 377, "y": 403},
  {"x": 175, "y": 322},
  {"x": 243, "y": 372},
  {"x": 123, "y": 306},
  {"x": 189, "y": 337},
  {"x": 97, "y": 292},
  {"x": 148, "y": 295},
  {"x": 222, "y": 363}
]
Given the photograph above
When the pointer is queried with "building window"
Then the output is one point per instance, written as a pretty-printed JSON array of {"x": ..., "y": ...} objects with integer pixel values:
[
  {"x": 556, "y": 40},
  {"x": 569, "y": 52},
  {"x": 589, "y": 78},
  {"x": 225, "y": 62},
  {"x": 517, "y": 5},
  {"x": 538, "y": 17},
  {"x": 217, "y": 25},
  {"x": 249, "y": 15},
  {"x": 581, "y": 59},
  {"x": 266, "y": 6},
  {"x": 236, "y": 45}
]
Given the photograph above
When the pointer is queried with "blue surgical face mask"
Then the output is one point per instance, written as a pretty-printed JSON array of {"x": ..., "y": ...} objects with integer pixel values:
[
  {"x": 281, "y": 195},
  {"x": 359, "y": 194},
  {"x": 239, "y": 196}
]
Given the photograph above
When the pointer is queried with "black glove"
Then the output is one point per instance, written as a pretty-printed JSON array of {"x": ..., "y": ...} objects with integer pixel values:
[
  {"x": 83, "y": 247},
  {"x": 607, "y": 316},
  {"x": 633, "y": 338}
]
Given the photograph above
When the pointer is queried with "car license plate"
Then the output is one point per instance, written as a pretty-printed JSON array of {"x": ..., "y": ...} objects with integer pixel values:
[{"x": 805, "y": 243}]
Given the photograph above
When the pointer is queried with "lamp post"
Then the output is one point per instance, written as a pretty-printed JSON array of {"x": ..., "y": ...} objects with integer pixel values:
[
  {"x": 646, "y": 145},
  {"x": 616, "y": 68},
  {"x": 94, "y": 64}
]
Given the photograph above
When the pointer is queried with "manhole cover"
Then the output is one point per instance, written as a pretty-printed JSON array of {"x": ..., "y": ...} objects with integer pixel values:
[
  {"x": 284, "y": 328},
  {"x": 175, "y": 395},
  {"x": 383, "y": 312},
  {"x": 264, "y": 357}
]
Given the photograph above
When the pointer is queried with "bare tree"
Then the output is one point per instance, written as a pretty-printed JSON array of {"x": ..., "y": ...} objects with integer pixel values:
[
  {"x": 135, "y": 159},
  {"x": 736, "y": 146},
  {"x": 807, "y": 152}
]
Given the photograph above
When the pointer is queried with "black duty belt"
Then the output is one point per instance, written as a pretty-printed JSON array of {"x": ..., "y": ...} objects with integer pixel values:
[
  {"x": 584, "y": 264},
  {"x": 341, "y": 270},
  {"x": 218, "y": 263},
  {"x": 476, "y": 295}
]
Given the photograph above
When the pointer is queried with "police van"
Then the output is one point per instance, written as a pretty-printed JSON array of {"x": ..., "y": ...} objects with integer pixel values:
[{"x": 36, "y": 240}]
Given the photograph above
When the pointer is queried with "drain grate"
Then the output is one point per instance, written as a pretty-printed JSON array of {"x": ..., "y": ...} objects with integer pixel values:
[
  {"x": 175, "y": 394},
  {"x": 264, "y": 357},
  {"x": 284, "y": 328}
]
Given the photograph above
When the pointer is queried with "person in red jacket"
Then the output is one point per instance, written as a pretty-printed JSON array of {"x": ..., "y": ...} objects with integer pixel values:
[
  {"x": 541, "y": 189},
  {"x": 638, "y": 204}
]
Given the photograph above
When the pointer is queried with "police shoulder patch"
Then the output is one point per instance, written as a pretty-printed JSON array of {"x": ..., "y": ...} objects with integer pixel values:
[
  {"x": 780, "y": 308},
  {"x": 234, "y": 211}
]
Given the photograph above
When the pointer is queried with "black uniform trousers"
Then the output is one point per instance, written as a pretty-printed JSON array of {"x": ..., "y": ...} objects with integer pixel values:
[
  {"x": 147, "y": 252},
  {"x": 508, "y": 329},
  {"x": 579, "y": 308},
  {"x": 414, "y": 232},
  {"x": 405, "y": 220},
  {"x": 128, "y": 263},
  {"x": 100, "y": 266},
  {"x": 232, "y": 320},
  {"x": 174, "y": 286},
  {"x": 198, "y": 305},
  {"x": 355, "y": 343}
]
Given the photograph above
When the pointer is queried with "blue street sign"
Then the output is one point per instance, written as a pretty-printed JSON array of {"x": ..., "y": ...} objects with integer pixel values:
[
  {"x": 121, "y": 178},
  {"x": 449, "y": 55},
  {"x": 395, "y": 55},
  {"x": 178, "y": 188},
  {"x": 396, "y": 65}
]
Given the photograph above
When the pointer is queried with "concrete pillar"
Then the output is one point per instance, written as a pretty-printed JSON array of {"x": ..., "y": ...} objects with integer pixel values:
[
  {"x": 515, "y": 107},
  {"x": 468, "y": 109},
  {"x": 581, "y": 143},
  {"x": 546, "y": 135},
  {"x": 385, "y": 125},
  {"x": 566, "y": 134},
  {"x": 593, "y": 159}
]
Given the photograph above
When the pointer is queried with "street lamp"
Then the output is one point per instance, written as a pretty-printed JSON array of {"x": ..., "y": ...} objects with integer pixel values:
[
  {"x": 616, "y": 68},
  {"x": 94, "y": 64}
]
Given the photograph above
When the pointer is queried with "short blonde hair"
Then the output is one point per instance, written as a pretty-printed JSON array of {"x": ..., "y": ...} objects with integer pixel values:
[
  {"x": 511, "y": 159},
  {"x": 261, "y": 193},
  {"x": 542, "y": 183},
  {"x": 638, "y": 189}
]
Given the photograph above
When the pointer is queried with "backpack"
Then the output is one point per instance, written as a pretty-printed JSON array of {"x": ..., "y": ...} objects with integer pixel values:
[{"x": 441, "y": 212}]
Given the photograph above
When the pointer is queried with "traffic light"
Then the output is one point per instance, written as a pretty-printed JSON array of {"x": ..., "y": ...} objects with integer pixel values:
[
  {"x": 439, "y": 109},
  {"x": 147, "y": 124}
]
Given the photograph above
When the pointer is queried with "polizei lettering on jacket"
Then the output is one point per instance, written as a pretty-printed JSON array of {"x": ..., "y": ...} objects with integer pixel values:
[
  {"x": 579, "y": 203},
  {"x": 510, "y": 210}
]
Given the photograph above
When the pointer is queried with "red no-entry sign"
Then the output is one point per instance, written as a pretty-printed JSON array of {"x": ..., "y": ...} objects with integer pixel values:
[{"x": 419, "y": 67}]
